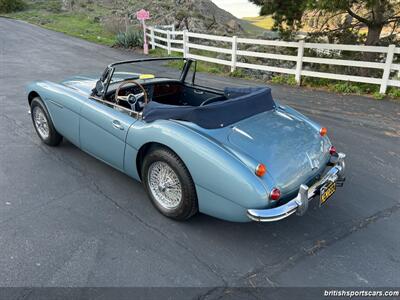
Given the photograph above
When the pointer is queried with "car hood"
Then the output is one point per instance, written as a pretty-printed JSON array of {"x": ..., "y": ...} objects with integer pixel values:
[
  {"x": 82, "y": 84},
  {"x": 290, "y": 146}
]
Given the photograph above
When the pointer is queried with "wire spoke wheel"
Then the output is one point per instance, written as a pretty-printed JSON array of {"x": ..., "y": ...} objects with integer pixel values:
[
  {"x": 165, "y": 185},
  {"x": 41, "y": 122}
]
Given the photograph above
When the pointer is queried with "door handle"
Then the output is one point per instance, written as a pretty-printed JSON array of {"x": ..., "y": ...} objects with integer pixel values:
[
  {"x": 117, "y": 124},
  {"x": 199, "y": 92}
]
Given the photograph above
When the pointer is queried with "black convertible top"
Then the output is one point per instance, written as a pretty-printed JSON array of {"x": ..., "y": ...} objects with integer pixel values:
[{"x": 241, "y": 103}]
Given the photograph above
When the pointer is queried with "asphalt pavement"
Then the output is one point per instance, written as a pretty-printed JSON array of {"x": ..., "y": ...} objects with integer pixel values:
[{"x": 67, "y": 219}]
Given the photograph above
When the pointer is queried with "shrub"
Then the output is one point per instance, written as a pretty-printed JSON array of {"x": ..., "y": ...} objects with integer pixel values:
[
  {"x": 316, "y": 82},
  {"x": 214, "y": 70},
  {"x": 130, "y": 39},
  {"x": 279, "y": 79},
  {"x": 284, "y": 79},
  {"x": 394, "y": 92},
  {"x": 8, "y": 6},
  {"x": 238, "y": 73},
  {"x": 347, "y": 88}
]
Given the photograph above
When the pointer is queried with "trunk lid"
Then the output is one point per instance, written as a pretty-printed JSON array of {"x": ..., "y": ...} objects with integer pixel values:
[{"x": 290, "y": 147}]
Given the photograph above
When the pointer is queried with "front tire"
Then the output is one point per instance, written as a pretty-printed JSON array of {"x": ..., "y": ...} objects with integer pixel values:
[
  {"x": 43, "y": 124},
  {"x": 169, "y": 185}
]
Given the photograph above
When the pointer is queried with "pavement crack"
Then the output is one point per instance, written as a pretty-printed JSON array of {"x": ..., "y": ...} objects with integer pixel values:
[
  {"x": 26, "y": 294},
  {"x": 276, "y": 269},
  {"x": 159, "y": 232},
  {"x": 209, "y": 293}
]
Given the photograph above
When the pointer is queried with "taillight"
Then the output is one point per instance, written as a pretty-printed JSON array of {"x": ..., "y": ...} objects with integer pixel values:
[
  {"x": 261, "y": 170},
  {"x": 275, "y": 194},
  {"x": 332, "y": 150},
  {"x": 323, "y": 131}
]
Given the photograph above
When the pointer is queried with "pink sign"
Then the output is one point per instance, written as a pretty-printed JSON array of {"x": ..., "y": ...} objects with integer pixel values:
[{"x": 143, "y": 15}]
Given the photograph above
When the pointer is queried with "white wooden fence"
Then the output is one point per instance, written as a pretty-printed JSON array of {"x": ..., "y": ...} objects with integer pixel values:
[{"x": 180, "y": 41}]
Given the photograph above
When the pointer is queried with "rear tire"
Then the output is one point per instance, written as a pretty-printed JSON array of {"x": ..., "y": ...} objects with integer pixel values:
[
  {"x": 169, "y": 185},
  {"x": 43, "y": 124}
]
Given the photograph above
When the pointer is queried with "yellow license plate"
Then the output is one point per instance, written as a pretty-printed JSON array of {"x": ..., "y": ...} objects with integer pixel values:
[{"x": 326, "y": 192}]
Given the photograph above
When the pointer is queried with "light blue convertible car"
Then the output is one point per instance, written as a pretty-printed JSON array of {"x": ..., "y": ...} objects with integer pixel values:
[{"x": 234, "y": 153}]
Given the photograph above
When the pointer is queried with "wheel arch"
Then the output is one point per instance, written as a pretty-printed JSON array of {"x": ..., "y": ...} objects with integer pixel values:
[
  {"x": 145, "y": 149},
  {"x": 32, "y": 95}
]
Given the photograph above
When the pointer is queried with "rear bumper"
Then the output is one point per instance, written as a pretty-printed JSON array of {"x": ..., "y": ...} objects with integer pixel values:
[{"x": 299, "y": 204}]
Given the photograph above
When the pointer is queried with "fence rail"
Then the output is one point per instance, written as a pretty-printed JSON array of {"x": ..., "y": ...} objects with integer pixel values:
[{"x": 183, "y": 41}]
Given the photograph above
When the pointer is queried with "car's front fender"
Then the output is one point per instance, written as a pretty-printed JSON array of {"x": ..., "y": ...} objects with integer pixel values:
[{"x": 63, "y": 105}]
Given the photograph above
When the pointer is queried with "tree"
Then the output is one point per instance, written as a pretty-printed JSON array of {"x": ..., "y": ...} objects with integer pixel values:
[
  {"x": 8, "y": 6},
  {"x": 374, "y": 14}
]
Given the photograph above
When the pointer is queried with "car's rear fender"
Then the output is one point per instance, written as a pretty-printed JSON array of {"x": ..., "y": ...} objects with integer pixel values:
[{"x": 212, "y": 167}]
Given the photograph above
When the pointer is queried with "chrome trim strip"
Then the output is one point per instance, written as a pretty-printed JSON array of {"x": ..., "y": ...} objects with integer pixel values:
[{"x": 299, "y": 204}]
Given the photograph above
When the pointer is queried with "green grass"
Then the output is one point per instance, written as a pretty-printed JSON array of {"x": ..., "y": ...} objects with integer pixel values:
[
  {"x": 83, "y": 25},
  {"x": 284, "y": 79},
  {"x": 351, "y": 88},
  {"x": 339, "y": 87}
]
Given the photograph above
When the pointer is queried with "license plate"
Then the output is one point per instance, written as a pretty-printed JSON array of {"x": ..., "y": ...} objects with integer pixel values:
[{"x": 326, "y": 192}]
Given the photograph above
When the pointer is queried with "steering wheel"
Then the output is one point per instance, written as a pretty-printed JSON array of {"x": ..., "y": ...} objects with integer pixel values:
[{"x": 131, "y": 98}]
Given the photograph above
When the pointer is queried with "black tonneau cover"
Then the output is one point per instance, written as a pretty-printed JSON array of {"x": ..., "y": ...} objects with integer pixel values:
[{"x": 241, "y": 103}]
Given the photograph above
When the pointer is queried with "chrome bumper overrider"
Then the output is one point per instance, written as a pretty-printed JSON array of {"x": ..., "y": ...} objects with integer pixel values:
[{"x": 299, "y": 204}]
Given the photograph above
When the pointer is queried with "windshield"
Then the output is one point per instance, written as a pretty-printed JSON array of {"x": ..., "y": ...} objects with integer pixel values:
[{"x": 171, "y": 68}]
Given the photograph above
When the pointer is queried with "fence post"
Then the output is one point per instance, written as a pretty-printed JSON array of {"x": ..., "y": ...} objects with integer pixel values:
[
  {"x": 234, "y": 55},
  {"x": 185, "y": 42},
  {"x": 153, "y": 45},
  {"x": 299, "y": 62},
  {"x": 169, "y": 42},
  {"x": 386, "y": 69},
  {"x": 173, "y": 29}
]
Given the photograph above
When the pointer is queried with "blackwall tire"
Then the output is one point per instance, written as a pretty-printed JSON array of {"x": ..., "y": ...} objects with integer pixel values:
[
  {"x": 168, "y": 184},
  {"x": 43, "y": 124}
]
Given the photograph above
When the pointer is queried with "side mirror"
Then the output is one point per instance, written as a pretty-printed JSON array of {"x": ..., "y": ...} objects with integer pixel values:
[{"x": 99, "y": 87}]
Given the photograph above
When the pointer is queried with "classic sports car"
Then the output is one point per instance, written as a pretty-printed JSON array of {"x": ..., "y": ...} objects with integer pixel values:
[{"x": 235, "y": 154}]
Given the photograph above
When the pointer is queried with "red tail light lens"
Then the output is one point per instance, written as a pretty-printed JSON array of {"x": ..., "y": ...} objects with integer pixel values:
[
  {"x": 261, "y": 170},
  {"x": 323, "y": 131},
  {"x": 275, "y": 194},
  {"x": 332, "y": 150}
]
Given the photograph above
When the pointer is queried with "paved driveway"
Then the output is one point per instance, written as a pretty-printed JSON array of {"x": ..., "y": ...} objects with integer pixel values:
[{"x": 67, "y": 219}]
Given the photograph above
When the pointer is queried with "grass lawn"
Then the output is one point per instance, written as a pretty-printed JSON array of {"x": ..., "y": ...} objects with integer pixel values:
[{"x": 82, "y": 25}]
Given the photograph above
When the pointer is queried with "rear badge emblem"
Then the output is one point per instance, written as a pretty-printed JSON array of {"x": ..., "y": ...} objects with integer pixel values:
[{"x": 314, "y": 163}]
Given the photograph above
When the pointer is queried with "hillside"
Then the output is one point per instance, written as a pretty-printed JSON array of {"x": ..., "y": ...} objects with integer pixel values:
[
  {"x": 100, "y": 21},
  {"x": 194, "y": 15},
  {"x": 264, "y": 22}
]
